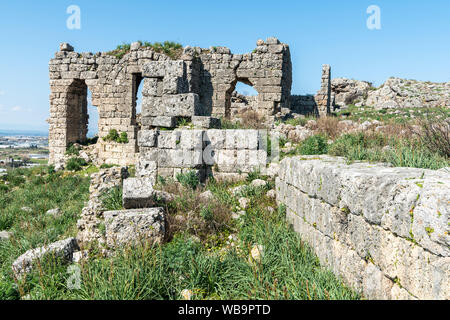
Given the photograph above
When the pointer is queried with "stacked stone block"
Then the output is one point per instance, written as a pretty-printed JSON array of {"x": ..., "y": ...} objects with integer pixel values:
[
  {"x": 213, "y": 151},
  {"x": 383, "y": 230},
  {"x": 323, "y": 97},
  {"x": 200, "y": 84},
  {"x": 112, "y": 83},
  {"x": 216, "y": 70}
]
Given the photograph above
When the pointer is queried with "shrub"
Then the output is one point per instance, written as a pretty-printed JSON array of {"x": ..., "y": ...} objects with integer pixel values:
[
  {"x": 317, "y": 144},
  {"x": 75, "y": 164},
  {"x": 72, "y": 150},
  {"x": 254, "y": 174},
  {"x": 189, "y": 179},
  {"x": 113, "y": 135}
]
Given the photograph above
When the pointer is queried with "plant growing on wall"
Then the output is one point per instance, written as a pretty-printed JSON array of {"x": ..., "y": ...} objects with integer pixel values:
[{"x": 113, "y": 135}]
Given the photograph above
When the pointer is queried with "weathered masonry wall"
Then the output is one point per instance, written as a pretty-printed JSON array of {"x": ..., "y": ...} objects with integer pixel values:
[
  {"x": 320, "y": 104},
  {"x": 200, "y": 83},
  {"x": 384, "y": 230},
  {"x": 221, "y": 153}
]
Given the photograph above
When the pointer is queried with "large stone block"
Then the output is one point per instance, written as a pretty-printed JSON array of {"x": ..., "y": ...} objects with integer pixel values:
[
  {"x": 132, "y": 227},
  {"x": 372, "y": 224},
  {"x": 147, "y": 138},
  {"x": 138, "y": 192},
  {"x": 63, "y": 249}
]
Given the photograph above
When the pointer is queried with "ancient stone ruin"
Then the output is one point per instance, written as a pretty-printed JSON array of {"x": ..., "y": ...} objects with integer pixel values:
[
  {"x": 198, "y": 85},
  {"x": 383, "y": 230}
]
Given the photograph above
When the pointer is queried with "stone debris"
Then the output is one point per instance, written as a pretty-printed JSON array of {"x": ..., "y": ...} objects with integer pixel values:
[
  {"x": 394, "y": 93},
  {"x": 257, "y": 183},
  {"x": 135, "y": 226},
  {"x": 271, "y": 194},
  {"x": 256, "y": 254},
  {"x": 5, "y": 235},
  {"x": 238, "y": 215},
  {"x": 63, "y": 249},
  {"x": 206, "y": 196},
  {"x": 244, "y": 203},
  {"x": 92, "y": 215},
  {"x": 187, "y": 294},
  {"x": 80, "y": 255},
  {"x": 54, "y": 212}
]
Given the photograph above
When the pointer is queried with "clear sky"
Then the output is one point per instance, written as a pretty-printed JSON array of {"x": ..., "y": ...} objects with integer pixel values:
[{"x": 413, "y": 43}]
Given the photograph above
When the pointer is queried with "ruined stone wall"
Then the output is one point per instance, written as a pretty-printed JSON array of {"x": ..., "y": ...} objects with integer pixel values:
[
  {"x": 383, "y": 230},
  {"x": 216, "y": 71},
  {"x": 199, "y": 84},
  {"x": 304, "y": 104},
  {"x": 112, "y": 83},
  {"x": 221, "y": 153},
  {"x": 323, "y": 97}
]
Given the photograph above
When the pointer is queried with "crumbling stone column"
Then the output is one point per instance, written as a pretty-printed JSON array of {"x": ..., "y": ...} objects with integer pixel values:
[{"x": 323, "y": 96}]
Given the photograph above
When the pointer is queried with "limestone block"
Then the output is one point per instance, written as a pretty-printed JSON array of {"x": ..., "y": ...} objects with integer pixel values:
[
  {"x": 169, "y": 139},
  {"x": 147, "y": 138},
  {"x": 63, "y": 249},
  {"x": 146, "y": 168},
  {"x": 164, "y": 122},
  {"x": 65, "y": 47},
  {"x": 138, "y": 192},
  {"x": 190, "y": 139},
  {"x": 205, "y": 122},
  {"x": 182, "y": 105},
  {"x": 215, "y": 138},
  {"x": 132, "y": 227}
]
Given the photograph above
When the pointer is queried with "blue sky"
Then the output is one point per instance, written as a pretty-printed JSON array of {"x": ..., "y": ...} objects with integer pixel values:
[{"x": 414, "y": 41}]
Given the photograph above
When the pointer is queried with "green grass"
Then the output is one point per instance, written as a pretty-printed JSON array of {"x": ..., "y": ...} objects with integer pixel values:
[
  {"x": 401, "y": 152},
  {"x": 390, "y": 116},
  {"x": 41, "y": 190},
  {"x": 212, "y": 269},
  {"x": 371, "y": 147}
]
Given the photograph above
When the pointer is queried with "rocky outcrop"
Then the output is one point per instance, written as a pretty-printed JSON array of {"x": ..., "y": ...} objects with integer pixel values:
[
  {"x": 401, "y": 93},
  {"x": 394, "y": 93},
  {"x": 347, "y": 91},
  {"x": 383, "y": 230}
]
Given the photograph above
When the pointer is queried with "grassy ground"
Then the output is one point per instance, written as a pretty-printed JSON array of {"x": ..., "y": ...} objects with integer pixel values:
[
  {"x": 390, "y": 116},
  {"x": 208, "y": 252},
  {"x": 421, "y": 142},
  {"x": 24, "y": 200}
]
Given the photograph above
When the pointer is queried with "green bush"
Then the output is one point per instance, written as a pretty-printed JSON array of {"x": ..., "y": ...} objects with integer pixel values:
[
  {"x": 189, "y": 179},
  {"x": 75, "y": 164},
  {"x": 72, "y": 150},
  {"x": 317, "y": 144},
  {"x": 113, "y": 135}
]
